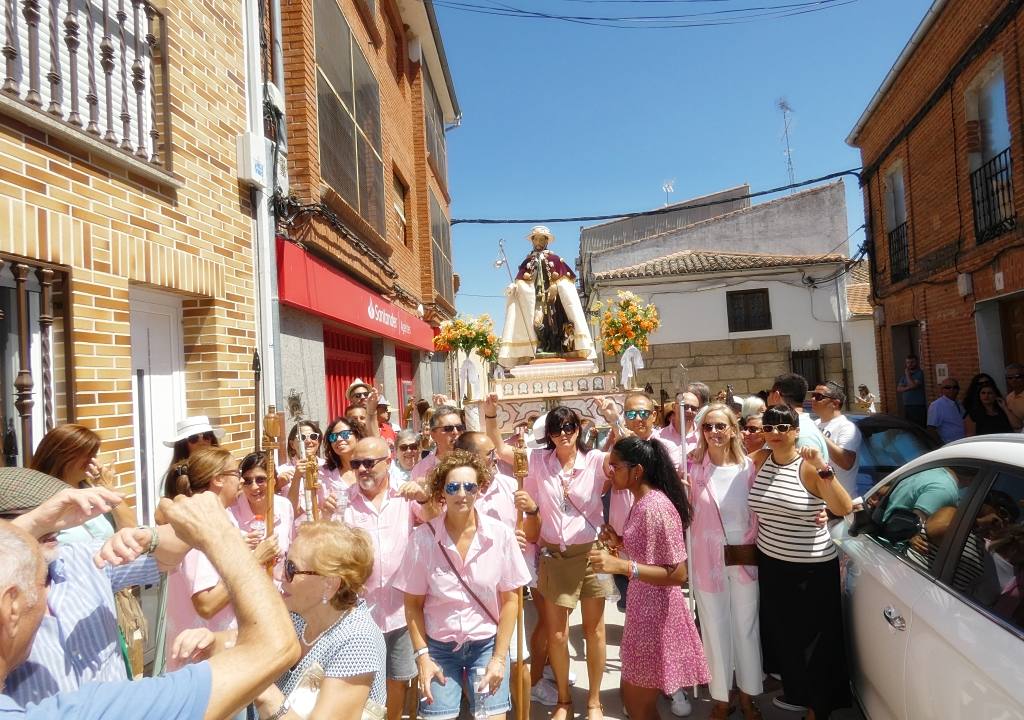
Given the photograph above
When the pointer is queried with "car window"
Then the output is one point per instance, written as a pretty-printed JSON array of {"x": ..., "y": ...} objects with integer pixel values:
[
  {"x": 891, "y": 448},
  {"x": 912, "y": 514},
  {"x": 990, "y": 567}
]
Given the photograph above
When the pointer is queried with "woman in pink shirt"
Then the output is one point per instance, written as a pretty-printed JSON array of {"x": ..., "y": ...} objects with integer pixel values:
[
  {"x": 196, "y": 596},
  {"x": 459, "y": 576},
  {"x": 291, "y": 476},
  {"x": 562, "y": 494},
  {"x": 341, "y": 441},
  {"x": 724, "y": 561},
  {"x": 251, "y": 509}
]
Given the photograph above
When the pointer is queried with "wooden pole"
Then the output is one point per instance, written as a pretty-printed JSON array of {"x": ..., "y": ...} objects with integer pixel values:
[{"x": 521, "y": 672}]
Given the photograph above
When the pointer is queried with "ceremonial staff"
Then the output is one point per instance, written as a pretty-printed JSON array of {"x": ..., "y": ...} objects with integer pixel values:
[
  {"x": 520, "y": 676},
  {"x": 311, "y": 482},
  {"x": 271, "y": 430}
]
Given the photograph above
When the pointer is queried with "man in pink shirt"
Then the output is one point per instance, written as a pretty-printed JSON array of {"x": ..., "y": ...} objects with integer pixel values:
[
  {"x": 690, "y": 407},
  {"x": 387, "y": 517},
  {"x": 445, "y": 428},
  {"x": 497, "y": 500}
]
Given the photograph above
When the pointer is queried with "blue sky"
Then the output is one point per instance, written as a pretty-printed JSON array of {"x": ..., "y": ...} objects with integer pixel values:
[{"x": 561, "y": 119}]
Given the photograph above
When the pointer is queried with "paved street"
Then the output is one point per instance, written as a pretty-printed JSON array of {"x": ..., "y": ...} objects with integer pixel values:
[{"x": 610, "y": 685}]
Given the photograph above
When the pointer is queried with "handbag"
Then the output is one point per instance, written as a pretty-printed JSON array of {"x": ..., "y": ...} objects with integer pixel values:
[
  {"x": 740, "y": 554},
  {"x": 302, "y": 699}
]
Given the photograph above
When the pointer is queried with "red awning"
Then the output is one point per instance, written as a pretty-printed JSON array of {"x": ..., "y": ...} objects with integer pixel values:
[{"x": 306, "y": 282}]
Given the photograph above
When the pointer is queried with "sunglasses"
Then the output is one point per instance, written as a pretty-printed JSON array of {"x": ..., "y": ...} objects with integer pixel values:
[
  {"x": 780, "y": 428},
  {"x": 691, "y": 408},
  {"x": 955, "y": 387},
  {"x": 409, "y": 448},
  {"x": 818, "y": 397},
  {"x": 720, "y": 427},
  {"x": 750, "y": 430},
  {"x": 261, "y": 480},
  {"x": 208, "y": 436},
  {"x": 452, "y": 488},
  {"x": 290, "y": 571},
  {"x": 1014, "y": 377},
  {"x": 567, "y": 429},
  {"x": 360, "y": 395},
  {"x": 310, "y": 436},
  {"x": 641, "y": 414},
  {"x": 451, "y": 428},
  {"x": 340, "y": 435},
  {"x": 365, "y": 463}
]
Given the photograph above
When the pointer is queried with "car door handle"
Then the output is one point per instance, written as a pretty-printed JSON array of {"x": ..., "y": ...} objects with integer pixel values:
[{"x": 893, "y": 617}]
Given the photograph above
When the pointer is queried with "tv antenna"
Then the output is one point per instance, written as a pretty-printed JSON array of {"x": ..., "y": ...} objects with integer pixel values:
[
  {"x": 787, "y": 119},
  {"x": 668, "y": 188}
]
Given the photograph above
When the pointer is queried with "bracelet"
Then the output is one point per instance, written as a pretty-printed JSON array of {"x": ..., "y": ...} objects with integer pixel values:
[
  {"x": 490, "y": 417},
  {"x": 154, "y": 538},
  {"x": 421, "y": 652},
  {"x": 634, "y": 569},
  {"x": 280, "y": 712},
  {"x": 532, "y": 512}
]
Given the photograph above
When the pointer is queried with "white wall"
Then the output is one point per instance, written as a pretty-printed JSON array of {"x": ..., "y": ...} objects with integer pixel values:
[
  {"x": 860, "y": 333},
  {"x": 689, "y": 313}
]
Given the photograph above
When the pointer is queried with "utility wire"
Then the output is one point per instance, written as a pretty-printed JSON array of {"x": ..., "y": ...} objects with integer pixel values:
[{"x": 657, "y": 211}]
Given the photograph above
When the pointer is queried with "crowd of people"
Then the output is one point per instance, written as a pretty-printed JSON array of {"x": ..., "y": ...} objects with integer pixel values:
[
  {"x": 409, "y": 579},
  {"x": 982, "y": 411}
]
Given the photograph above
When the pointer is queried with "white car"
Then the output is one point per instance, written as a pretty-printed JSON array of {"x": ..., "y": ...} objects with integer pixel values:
[{"x": 933, "y": 586}]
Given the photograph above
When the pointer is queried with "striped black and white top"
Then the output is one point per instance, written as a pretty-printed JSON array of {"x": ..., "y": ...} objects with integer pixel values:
[{"x": 787, "y": 514}]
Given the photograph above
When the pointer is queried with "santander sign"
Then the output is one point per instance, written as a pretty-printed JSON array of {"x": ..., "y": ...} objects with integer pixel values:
[{"x": 380, "y": 314}]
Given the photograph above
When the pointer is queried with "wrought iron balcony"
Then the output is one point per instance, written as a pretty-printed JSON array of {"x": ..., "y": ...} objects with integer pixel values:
[
  {"x": 992, "y": 196},
  {"x": 95, "y": 66},
  {"x": 899, "y": 253}
]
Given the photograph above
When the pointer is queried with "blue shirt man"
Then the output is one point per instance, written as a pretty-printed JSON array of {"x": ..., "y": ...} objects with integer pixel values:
[
  {"x": 910, "y": 386},
  {"x": 945, "y": 414}
]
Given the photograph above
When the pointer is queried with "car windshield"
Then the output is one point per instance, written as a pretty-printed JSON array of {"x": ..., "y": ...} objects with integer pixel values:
[{"x": 890, "y": 449}]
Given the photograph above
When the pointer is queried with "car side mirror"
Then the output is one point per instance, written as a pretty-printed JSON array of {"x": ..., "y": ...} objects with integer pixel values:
[{"x": 901, "y": 526}]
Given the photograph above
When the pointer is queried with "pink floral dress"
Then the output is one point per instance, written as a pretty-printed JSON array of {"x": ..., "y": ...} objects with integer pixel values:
[{"x": 661, "y": 647}]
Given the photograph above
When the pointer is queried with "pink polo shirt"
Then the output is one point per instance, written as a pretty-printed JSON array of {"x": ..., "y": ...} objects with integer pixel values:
[
  {"x": 283, "y": 519},
  {"x": 562, "y": 523},
  {"x": 422, "y": 469},
  {"x": 493, "y": 564},
  {"x": 389, "y": 527},
  {"x": 498, "y": 502}
]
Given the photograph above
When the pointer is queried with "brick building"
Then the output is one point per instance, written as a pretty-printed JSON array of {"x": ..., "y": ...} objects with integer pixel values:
[
  {"x": 364, "y": 265},
  {"x": 126, "y": 285},
  {"x": 941, "y": 142}
]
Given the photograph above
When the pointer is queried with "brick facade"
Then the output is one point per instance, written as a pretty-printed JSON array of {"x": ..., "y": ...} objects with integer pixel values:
[
  {"x": 923, "y": 124},
  {"x": 113, "y": 228}
]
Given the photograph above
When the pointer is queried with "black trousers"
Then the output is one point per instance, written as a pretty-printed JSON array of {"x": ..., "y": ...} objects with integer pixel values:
[
  {"x": 802, "y": 629},
  {"x": 917, "y": 414}
]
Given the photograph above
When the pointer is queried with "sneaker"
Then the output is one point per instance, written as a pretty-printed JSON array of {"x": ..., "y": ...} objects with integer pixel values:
[
  {"x": 780, "y": 702},
  {"x": 545, "y": 693},
  {"x": 550, "y": 675},
  {"x": 681, "y": 704}
]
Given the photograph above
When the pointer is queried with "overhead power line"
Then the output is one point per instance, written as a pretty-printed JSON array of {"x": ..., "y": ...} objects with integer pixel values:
[{"x": 854, "y": 172}]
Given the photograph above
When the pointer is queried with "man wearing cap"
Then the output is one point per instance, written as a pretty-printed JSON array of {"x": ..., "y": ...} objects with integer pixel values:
[
  {"x": 358, "y": 393},
  {"x": 543, "y": 313},
  {"x": 266, "y": 643},
  {"x": 77, "y": 641}
]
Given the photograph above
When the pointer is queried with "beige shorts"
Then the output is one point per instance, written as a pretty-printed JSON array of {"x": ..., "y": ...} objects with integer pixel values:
[{"x": 565, "y": 576}]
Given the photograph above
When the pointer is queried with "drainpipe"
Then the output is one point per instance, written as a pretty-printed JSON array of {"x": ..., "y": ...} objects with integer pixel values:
[
  {"x": 277, "y": 55},
  {"x": 264, "y": 251},
  {"x": 841, "y": 313}
]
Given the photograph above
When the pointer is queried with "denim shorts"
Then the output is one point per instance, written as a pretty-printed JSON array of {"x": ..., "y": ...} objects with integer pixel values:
[
  {"x": 400, "y": 662},
  {"x": 459, "y": 667}
]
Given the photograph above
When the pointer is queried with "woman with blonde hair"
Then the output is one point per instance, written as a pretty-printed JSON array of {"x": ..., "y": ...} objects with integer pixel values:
[
  {"x": 68, "y": 453},
  {"x": 459, "y": 576},
  {"x": 196, "y": 596},
  {"x": 724, "y": 561}
]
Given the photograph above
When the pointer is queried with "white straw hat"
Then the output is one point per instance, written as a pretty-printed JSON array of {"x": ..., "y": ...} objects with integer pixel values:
[
  {"x": 537, "y": 439},
  {"x": 358, "y": 382},
  {"x": 195, "y": 425}
]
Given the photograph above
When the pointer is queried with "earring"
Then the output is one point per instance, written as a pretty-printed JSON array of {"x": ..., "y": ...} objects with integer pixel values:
[{"x": 324, "y": 600}]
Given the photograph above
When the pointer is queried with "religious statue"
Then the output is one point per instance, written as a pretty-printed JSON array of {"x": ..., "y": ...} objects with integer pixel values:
[{"x": 543, "y": 313}]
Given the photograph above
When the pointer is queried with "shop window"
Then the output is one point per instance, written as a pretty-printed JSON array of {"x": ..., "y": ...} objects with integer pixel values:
[
  {"x": 749, "y": 310},
  {"x": 348, "y": 107},
  {"x": 441, "y": 251}
]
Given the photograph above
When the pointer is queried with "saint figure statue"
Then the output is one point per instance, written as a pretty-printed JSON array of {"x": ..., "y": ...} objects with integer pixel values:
[{"x": 543, "y": 313}]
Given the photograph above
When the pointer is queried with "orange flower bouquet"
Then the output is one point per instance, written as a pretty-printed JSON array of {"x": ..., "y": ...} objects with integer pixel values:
[
  {"x": 468, "y": 333},
  {"x": 627, "y": 321}
]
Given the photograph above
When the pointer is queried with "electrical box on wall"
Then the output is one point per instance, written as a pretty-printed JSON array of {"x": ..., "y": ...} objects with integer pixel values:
[
  {"x": 252, "y": 162},
  {"x": 998, "y": 280},
  {"x": 964, "y": 284},
  {"x": 278, "y": 174}
]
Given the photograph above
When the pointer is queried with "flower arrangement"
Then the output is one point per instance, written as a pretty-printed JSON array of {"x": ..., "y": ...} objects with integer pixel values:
[
  {"x": 469, "y": 334},
  {"x": 627, "y": 321}
]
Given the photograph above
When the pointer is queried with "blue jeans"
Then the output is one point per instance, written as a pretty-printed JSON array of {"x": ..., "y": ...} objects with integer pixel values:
[{"x": 459, "y": 668}]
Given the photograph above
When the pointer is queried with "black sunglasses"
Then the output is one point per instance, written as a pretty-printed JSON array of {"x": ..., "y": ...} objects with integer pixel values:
[
  {"x": 290, "y": 571},
  {"x": 208, "y": 436},
  {"x": 360, "y": 395},
  {"x": 567, "y": 428},
  {"x": 261, "y": 480},
  {"x": 818, "y": 397},
  {"x": 750, "y": 429},
  {"x": 409, "y": 448},
  {"x": 365, "y": 463},
  {"x": 720, "y": 427},
  {"x": 781, "y": 428},
  {"x": 451, "y": 428}
]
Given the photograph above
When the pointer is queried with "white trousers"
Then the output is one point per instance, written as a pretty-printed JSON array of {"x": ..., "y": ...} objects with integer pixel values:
[{"x": 731, "y": 633}]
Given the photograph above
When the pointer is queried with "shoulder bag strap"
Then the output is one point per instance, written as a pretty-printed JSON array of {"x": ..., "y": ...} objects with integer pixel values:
[{"x": 472, "y": 594}]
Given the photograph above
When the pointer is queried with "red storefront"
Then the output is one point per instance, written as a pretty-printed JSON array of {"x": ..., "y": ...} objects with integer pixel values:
[{"x": 354, "y": 315}]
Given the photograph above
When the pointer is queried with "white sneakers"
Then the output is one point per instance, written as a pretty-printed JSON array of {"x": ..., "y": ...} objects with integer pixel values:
[{"x": 681, "y": 704}]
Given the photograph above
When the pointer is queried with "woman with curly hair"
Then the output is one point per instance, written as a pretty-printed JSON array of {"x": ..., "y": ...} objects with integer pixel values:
[
  {"x": 661, "y": 649},
  {"x": 459, "y": 576}
]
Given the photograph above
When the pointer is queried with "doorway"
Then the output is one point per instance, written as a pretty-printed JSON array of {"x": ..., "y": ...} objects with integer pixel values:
[
  {"x": 906, "y": 340},
  {"x": 1011, "y": 320},
  {"x": 158, "y": 394}
]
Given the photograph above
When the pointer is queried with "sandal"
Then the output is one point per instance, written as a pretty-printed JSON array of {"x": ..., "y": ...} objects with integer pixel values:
[
  {"x": 599, "y": 707},
  {"x": 569, "y": 715},
  {"x": 749, "y": 708},
  {"x": 720, "y": 710}
]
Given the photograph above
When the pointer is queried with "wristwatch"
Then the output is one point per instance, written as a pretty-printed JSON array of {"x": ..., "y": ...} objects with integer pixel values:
[
  {"x": 532, "y": 512},
  {"x": 281, "y": 711},
  {"x": 826, "y": 472}
]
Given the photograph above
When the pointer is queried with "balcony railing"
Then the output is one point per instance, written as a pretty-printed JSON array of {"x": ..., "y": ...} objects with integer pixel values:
[
  {"x": 97, "y": 66},
  {"x": 992, "y": 196},
  {"x": 899, "y": 253}
]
